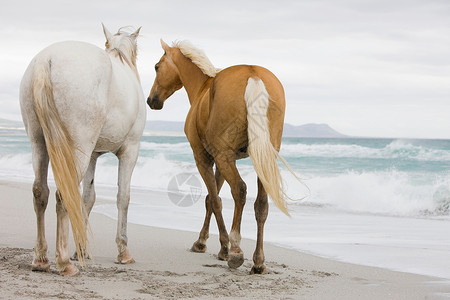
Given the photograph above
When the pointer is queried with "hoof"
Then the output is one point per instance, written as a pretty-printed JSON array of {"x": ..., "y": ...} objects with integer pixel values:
[
  {"x": 125, "y": 261},
  {"x": 235, "y": 259},
  {"x": 40, "y": 266},
  {"x": 70, "y": 270},
  {"x": 125, "y": 258},
  {"x": 198, "y": 247},
  {"x": 258, "y": 270},
  {"x": 223, "y": 254},
  {"x": 74, "y": 257}
]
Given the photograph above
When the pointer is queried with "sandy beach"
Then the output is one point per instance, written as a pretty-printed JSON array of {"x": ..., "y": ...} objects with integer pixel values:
[{"x": 166, "y": 269}]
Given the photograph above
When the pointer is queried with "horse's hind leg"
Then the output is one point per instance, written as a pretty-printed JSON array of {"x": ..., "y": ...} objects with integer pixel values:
[
  {"x": 62, "y": 225},
  {"x": 261, "y": 211},
  {"x": 227, "y": 166},
  {"x": 40, "y": 200},
  {"x": 88, "y": 184},
  {"x": 127, "y": 160},
  {"x": 200, "y": 244},
  {"x": 62, "y": 239},
  {"x": 88, "y": 190}
]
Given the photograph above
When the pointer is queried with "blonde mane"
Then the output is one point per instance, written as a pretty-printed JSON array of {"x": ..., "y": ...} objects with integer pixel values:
[{"x": 197, "y": 56}]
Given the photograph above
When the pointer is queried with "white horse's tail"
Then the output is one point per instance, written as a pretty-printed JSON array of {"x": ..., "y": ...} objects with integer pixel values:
[
  {"x": 61, "y": 150},
  {"x": 260, "y": 149}
]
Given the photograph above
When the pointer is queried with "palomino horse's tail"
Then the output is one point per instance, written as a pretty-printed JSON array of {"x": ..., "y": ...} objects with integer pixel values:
[
  {"x": 260, "y": 149},
  {"x": 61, "y": 150}
]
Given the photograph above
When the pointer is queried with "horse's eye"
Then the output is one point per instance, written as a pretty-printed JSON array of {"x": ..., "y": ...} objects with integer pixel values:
[{"x": 156, "y": 67}]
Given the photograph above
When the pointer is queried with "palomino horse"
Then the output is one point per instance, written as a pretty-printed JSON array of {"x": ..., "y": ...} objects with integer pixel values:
[
  {"x": 79, "y": 102},
  {"x": 235, "y": 113}
]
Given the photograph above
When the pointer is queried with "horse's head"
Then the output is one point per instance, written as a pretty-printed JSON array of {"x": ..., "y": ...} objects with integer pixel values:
[
  {"x": 122, "y": 44},
  {"x": 167, "y": 79}
]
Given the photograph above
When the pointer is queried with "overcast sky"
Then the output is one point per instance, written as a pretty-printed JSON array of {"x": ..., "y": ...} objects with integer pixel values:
[{"x": 368, "y": 68}]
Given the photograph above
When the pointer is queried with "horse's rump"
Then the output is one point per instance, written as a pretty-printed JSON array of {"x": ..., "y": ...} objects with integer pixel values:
[{"x": 260, "y": 148}]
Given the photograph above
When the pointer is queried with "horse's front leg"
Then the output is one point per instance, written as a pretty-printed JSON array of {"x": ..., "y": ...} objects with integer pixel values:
[
  {"x": 200, "y": 244},
  {"x": 127, "y": 160},
  {"x": 88, "y": 192}
]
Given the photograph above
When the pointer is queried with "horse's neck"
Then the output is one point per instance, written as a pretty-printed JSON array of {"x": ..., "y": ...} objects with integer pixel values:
[{"x": 191, "y": 76}]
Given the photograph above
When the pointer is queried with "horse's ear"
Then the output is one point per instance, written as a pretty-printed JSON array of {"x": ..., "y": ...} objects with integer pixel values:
[
  {"x": 108, "y": 34},
  {"x": 165, "y": 46},
  {"x": 135, "y": 34}
]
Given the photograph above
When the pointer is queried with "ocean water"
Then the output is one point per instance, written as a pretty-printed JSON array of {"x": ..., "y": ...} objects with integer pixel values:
[{"x": 377, "y": 202}]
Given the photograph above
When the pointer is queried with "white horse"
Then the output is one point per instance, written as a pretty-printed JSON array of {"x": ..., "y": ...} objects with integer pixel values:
[{"x": 79, "y": 102}]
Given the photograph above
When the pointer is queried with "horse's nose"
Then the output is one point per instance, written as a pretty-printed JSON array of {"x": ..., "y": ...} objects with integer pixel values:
[{"x": 154, "y": 103}]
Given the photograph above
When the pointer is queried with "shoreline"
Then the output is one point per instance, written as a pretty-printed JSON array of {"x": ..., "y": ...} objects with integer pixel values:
[
  {"x": 375, "y": 240},
  {"x": 166, "y": 269}
]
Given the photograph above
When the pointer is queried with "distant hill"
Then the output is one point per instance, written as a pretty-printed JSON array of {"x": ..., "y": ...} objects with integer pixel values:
[
  {"x": 307, "y": 130},
  {"x": 177, "y": 129},
  {"x": 11, "y": 127},
  {"x": 4, "y": 123},
  {"x": 311, "y": 130}
]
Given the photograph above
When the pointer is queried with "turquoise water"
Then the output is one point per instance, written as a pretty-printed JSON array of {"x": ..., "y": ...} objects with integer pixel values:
[
  {"x": 310, "y": 155},
  {"x": 333, "y": 156},
  {"x": 389, "y": 176}
]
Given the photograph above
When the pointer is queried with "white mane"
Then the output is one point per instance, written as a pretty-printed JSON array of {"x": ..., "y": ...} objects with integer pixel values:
[
  {"x": 123, "y": 45},
  {"x": 197, "y": 56}
]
